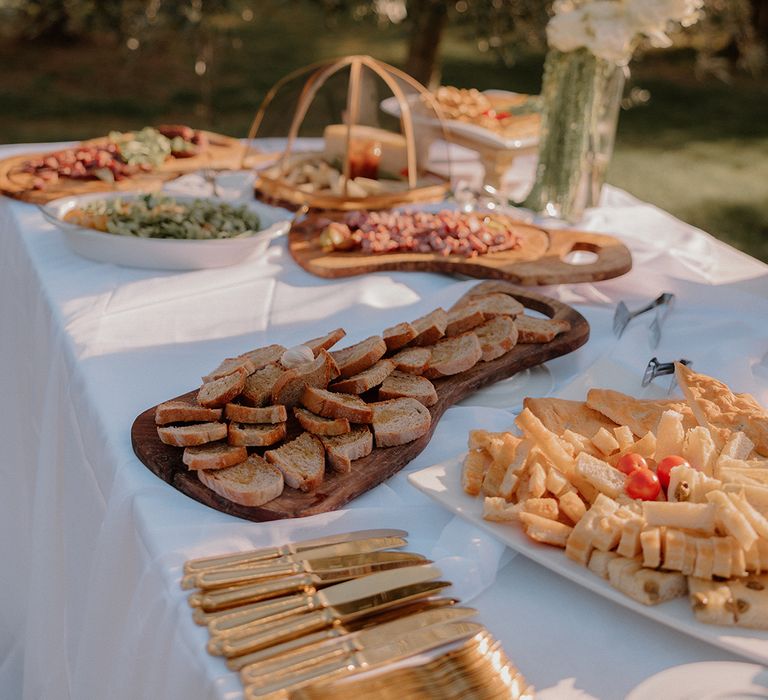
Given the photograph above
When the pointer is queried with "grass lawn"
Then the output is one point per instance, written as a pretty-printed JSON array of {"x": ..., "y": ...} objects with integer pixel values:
[{"x": 697, "y": 149}]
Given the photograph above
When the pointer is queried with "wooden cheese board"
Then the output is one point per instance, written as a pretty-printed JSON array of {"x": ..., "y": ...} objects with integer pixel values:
[
  {"x": 221, "y": 153},
  {"x": 543, "y": 257},
  {"x": 337, "y": 489}
]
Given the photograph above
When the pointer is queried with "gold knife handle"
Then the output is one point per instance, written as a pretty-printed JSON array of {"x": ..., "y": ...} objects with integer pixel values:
[
  {"x": 260, "y": 612},
  {"x": 346, "y": 664},
  {"x": 211, "y": 580},
  {"x": 223, "y": 598},
  {"x": 196, "y": 566},
  {"x": 276, "y": 652},
  {"x": 249, "y": 640}
]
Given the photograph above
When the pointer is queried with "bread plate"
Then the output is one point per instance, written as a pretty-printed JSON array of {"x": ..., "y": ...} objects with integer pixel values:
[{"x": 162, "y": 253}]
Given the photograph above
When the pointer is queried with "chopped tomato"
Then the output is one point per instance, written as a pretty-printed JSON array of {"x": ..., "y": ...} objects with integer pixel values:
[
  {"x": 630, "y": 462},
  {"x": 643, "y": 484},
  {"x": 665, "y": 466}
]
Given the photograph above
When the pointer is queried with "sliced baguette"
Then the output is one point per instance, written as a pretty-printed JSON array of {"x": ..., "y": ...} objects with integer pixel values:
[
  {"x": 250, "y": 361},
  {"x": 229, "y": 365},
  {"x": 497, "y": 337},
  {"x": 186, "y": 435},
  {"x": 430, "y": 328},
  {"x": 317, "y": 425},
  {"x": 539, "y": 330},
  {"x": 454, "y": 355},
  {"x": 289, "y": 387},
  {"x": 401, "y": 385},
  {"x": 326, "y": 341},
  {"x": 412, "y": 360},
  {"x": 302, "y": 461},
  {"x": 329, "y": 404},
  {"x": 220, "y": 392},
  {"x": 253, "y": 482},
  {"x": 398, "y": 421},
  {"x": 355, "y": 358},
  {"x": 258, "y": 387},
  {"x": 248, "y": 414},
  {"x": 255, "y": 434},
  {"x": 365, "y": 380},
  {"x": 342, "y": 450},
  {"x": 463, "y": 319},
  {"x": 185, "y": 411},
  {"x": 399, "y": 336},
  {"x": 216, "y": 455},
  {"x": 495, "y": 304}
]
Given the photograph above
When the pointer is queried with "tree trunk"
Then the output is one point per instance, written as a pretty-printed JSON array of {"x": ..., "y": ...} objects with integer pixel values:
[{"x": 428, "y": 18}]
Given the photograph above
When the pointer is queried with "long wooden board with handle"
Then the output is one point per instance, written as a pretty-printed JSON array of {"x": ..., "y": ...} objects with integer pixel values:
[
  {"x": 542, "y": 258},
  {"x": 337, "y": 489}
]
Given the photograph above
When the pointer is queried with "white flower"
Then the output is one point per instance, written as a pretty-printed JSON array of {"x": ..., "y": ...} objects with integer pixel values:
[
  {"x": 654, "y": 16},
  {"x": 567, "y": 31},
  {"x": 609, "y": 31}
]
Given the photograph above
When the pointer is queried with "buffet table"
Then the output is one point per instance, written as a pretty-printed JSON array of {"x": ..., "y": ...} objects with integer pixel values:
[{"x": 92, "y": 543}]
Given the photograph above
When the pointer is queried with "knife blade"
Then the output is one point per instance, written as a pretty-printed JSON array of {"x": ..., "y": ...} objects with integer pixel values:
[
  {"x": 329, "y": 633},
  {"x": 313, "y": 654},
  {"x": 220, "y": 560},
  {"x": 409, "y": 644},
  {"x": 371, "y": 544},
  {"x": 338, "y": 603},
  {"x": 212, "y": 580},
  {"x": 222, "y": 599}
]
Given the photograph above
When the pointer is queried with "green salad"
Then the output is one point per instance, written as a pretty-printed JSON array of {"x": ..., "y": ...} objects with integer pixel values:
[{"x": 160, "y": 216}]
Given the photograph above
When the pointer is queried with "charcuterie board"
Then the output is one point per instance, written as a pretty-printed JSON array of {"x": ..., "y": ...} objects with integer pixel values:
[
  {"x": 221, "y": 152},
  {"x": 337, "y": 489},
  {"x": 545, "y": 256}
]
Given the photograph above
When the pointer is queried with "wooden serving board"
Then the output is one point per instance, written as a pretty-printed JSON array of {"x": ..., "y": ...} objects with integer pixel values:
[
  {"x": 383, "y": 462},
  {"x": 222, "y": 152},
  {"x": 539, "y": 260}
]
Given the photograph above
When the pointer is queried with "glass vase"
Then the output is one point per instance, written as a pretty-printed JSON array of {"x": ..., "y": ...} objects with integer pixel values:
[{"x": 581, "y": 96}]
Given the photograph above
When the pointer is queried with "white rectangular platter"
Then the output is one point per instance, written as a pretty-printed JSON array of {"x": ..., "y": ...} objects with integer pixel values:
[{"x": 442, "y": 482}]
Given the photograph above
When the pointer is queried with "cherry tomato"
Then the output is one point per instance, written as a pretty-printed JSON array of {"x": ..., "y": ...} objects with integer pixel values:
[
  {"x": 631, "y": 461},
  {"x": 643, "y": 484},
  {"x": 665, "y": 466}
]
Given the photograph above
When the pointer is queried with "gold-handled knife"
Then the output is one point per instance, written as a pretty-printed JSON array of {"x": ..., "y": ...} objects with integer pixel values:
[
  {"x": 405, "y": 645},
  {"x": 224, "y": 560},
  {"x": 226, "y": 598},
  {"x": 315, "y": 654},
  {"x": 273, "y": 653},
  {"x": 339, "y": 603},
  {"x": 212, "y": 580},
  {"x": 360, "y": 546}
]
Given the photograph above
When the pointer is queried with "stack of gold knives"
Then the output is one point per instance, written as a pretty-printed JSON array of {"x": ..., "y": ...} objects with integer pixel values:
[{"x": 293, "y": 616}]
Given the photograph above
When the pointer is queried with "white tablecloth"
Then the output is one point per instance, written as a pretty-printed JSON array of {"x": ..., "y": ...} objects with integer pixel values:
[{"x": 92, "y": 543}]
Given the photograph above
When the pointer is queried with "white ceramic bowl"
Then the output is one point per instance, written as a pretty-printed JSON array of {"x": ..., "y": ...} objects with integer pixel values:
[{"x": 163, "y": 253}]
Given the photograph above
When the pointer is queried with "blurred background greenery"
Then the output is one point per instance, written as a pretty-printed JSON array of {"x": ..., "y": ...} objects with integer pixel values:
[{"x": 692, "y": 139}]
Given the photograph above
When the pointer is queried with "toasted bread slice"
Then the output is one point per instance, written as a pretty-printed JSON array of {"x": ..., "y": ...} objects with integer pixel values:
[
  {"x": 220, "y": 392},
  {"x": 412, "y": 360},
  {"x": 317, "y": 425},
  {"x": 258, "y": 387},
  {"x": 559, "y": 415},
  {"x": 464, "y": 318},
  {"x": 399, "y": 336},
  {"x": 185, "y": 411},
  {"x": 398, "y": 421},
  {"x": 454, "y": 355},
  {"x": 342, "y": 450},
  {"x": 355, "y": 358},
  {"x": 253, "y": 482},
  {"x": 539, "y": 330},
  {"x": 367, "y": 379},
  {"x": 401, "y": 385},
  {"x": 302, "y": 461},
  {"x": 197, "y": 434},
  {"x": 497, "y": 337},
  {"x": 248, "y": 414},
  {"x": 250, "y": 361},
  {"x": 255, "y": 434},
  {"x": 329, "y": 404},
  {"x": 430, "y": 328},
  {"x": 215, "y": 455},
  {"x": 325, "y": 342},
  {"x": 495, "y": 304},
  {"x": 289, "y": 387}
]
